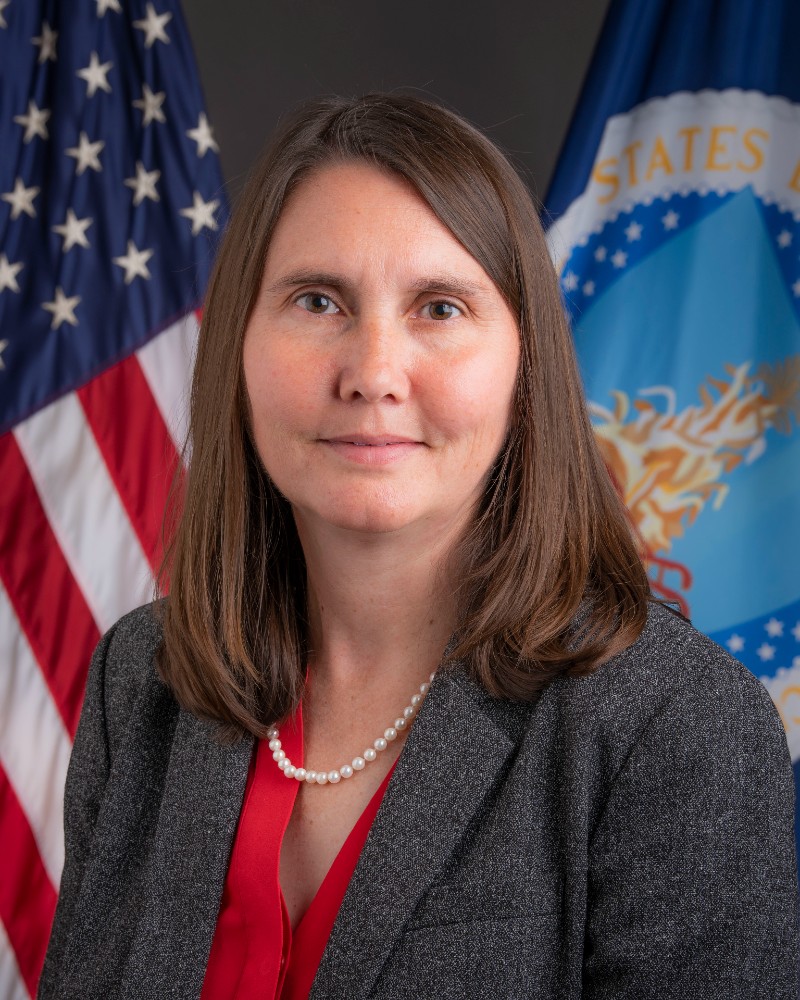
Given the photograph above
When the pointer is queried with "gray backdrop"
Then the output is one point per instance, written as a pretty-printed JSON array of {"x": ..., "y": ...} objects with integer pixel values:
[{"x": 514, "y": 68}]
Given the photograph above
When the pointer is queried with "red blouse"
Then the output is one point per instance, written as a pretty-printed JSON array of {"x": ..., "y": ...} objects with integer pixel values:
[{"x": 255, "y": 953}]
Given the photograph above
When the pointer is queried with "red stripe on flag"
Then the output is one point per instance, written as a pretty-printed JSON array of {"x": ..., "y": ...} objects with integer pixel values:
[
  {"x": 48, "y": 602},
  {"x": 136, "y": 446},
  {"x": 27, "y": 897}
]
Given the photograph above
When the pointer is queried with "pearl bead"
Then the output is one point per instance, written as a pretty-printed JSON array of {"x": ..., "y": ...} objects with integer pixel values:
[
  {"x": 369, "y": 754},
  {"x": 300, "y": 773},
  {"x": 400, "y": 723},
  {"x": 346, "y": 771},
  {"x": 272, "y": 732},
  {"x": 322, "y": 778},
  {"x": 380, "y": 743},
  {"x": 431, "y": 677},
  {"x": 390, "y": 734},
  {"x": 283, "y": 763},
  {"x": 416, "y": 699},
  {"x": 311, "y": 777},
  {"x": 358, "y": 763},
  {"x": 333, "y": 777},
  {"x": 279, "y": 755},
  {"x": 274, "y": 744},
  {"x": 290, "y": 770},
  {"x": 423, "y": 688},
  {"x": 408, "y": 711}
]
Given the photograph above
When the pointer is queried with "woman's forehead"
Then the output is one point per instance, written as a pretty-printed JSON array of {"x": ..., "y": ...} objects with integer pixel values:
[{"x": 353, "y": 219}]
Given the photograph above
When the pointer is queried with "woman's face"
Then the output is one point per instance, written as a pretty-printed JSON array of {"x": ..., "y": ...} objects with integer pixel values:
[{"x": 380, "y": 360}]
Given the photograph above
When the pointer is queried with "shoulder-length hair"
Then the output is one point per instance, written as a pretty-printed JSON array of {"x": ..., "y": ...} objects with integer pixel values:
[{"x": 550, "y": 536}]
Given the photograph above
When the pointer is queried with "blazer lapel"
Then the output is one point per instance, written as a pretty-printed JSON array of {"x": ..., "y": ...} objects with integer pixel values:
[
  {"x": 200, "y": 806},
  {"x": 455, "y": 751}
]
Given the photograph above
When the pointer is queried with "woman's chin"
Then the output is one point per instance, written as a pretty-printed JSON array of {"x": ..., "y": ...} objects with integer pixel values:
[
  {"x": 372, "y": 522},
  {"x": 374, "y": 518}
]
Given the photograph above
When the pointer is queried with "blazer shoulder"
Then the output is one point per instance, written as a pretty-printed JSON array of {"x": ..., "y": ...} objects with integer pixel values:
[
  {"x": 671, "y": 655},
  {"x": 671, "y": 668},
  {"x": 125, "y": 659}
]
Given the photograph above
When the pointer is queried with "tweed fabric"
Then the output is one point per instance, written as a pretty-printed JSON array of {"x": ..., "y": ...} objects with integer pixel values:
[{"x": 629, "y": 836}]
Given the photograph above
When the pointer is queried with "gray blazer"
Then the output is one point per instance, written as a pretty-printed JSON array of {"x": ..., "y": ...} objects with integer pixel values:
[{"x": 630, "y": 836}]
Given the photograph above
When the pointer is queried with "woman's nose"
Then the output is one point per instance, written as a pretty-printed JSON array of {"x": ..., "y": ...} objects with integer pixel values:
[{"x": 375, "y": 365}]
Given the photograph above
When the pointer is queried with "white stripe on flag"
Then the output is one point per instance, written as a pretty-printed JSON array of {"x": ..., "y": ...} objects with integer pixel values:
[
  {"x": 11, "y": 984},
  {"x": 34, "y": 743},
  {"x": 167, "y": 362},
  {"x": 84, "y": 510}
]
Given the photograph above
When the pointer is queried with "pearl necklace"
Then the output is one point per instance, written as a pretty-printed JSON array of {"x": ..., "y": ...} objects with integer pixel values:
[{"x": 359, "y": 763}]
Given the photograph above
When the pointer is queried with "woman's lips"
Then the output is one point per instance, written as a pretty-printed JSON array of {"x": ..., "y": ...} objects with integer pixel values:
[{"x": 369, "y": 450}]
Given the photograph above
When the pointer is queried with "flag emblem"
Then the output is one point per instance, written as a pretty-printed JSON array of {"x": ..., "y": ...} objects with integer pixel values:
[{"x": 680, "y": 266}]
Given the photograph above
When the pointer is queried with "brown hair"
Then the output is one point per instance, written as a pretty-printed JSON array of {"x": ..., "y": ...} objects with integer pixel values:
[{"x": 551, "y": 536}]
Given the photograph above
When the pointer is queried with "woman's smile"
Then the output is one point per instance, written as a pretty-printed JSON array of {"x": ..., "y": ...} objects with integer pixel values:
[{"x": 373, "y": 451}]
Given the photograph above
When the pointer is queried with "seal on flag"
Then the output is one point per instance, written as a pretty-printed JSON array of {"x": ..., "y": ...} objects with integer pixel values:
[{"x": 680, "y": 266}]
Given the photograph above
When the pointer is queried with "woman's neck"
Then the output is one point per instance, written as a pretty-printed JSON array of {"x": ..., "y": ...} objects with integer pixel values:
[{"x": 379, "y": 606}]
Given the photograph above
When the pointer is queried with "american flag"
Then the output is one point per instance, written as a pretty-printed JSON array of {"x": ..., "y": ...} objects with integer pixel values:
[{"x": 110, "y": 204}]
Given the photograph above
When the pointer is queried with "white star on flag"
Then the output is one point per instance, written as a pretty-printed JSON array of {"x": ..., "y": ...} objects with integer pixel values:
[
  {"x": 784, "y": 239},
  {"x": 633, "y": 232},
  {"x": 620, "y": 259},
  {"x": 150, "y": 105},
  {"x": 106, "y": 5},
  {"x": 35, "y": 122},
  {"x": 143, "y": 184},
  {"x": 670, "y": 220},
  {"x": 570, "y": 281},
  {"x": 765, "y": 651},
  {"x": 95, "y": 75},
  {"x": 588, "y": 288},
  {"x": 600, "y": 254},
  {"x": 87, "y": 153},
  {"x": 8, "y": 274},
  {"x": 46, "y": 42},
  {"x": 735, "y": 644},
  {"x": 153, "y": 26},
  {"x": 3, "y": 343},
  {"x": 774, "y": 628},
  {"x": 3, "y": 24},
  {"x": 74, "y": 231},
  {"x": 21, "y": 199},
  {"x": 201, "y": 213},
  {"x": 62, "y": 308},
  {"x": 134, "y": 262},
  {"x": 203, "y": 135},
  {"x": 796, "y": 631}
]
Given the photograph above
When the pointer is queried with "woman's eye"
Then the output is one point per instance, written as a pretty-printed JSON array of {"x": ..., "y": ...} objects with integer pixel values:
[
  {"x": 318, "y": 304},
  {"x": 442, "y": 310}
]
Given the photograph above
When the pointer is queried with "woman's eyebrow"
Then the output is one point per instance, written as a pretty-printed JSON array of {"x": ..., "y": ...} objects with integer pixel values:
[
  {"x": 441, "y": 283},
  {"x": 296, "y": 278},
  {"x": 449, "y": 284}
]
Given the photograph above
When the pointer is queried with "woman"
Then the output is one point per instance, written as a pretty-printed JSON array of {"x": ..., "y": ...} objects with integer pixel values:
[{"x": 409, "y": 722}]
